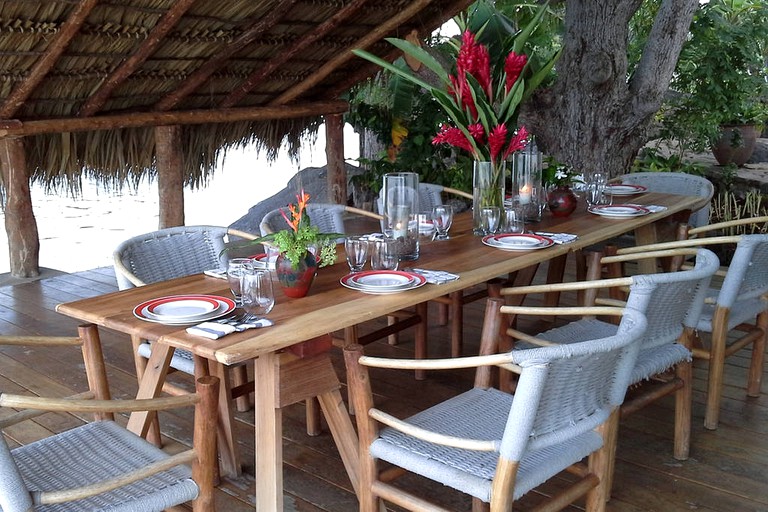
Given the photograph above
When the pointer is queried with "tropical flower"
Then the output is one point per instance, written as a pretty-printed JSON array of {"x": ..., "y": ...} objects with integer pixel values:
[
  {"x": 556, "y": 174},
  {"x": 482, "y": 100},
  {"x": 302, "y": 237}
]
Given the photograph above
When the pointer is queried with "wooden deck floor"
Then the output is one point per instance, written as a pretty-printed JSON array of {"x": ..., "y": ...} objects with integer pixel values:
[{"x": 727, "y": 470}]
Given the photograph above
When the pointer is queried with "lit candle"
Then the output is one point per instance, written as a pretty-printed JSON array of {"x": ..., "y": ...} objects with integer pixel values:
[
  {"x": 525, "y": 194},
  {"x": 400, "y": 217}
]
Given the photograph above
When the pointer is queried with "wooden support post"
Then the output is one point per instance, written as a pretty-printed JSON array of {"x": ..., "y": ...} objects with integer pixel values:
[
  {"x": 20, "y": 223},
  {"x": 334, "y": 151},
  {"x": 170, "y": 176}
]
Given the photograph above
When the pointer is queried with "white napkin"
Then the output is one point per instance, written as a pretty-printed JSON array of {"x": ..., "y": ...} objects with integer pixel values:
[
  {"x": 216, "y": 330},
  {"x": 436, "y": 276},
  {"x": 558, "y": 238},
  {"x": 653, "y": 208},
  {"x": 217, "y": 273}
]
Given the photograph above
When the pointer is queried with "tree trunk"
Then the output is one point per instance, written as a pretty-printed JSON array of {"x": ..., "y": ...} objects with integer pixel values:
[
  {"x": 594, "y": 117},
  {"x": 334, "y": 151},
  {"x": 20, "y": 223},
  {"x": 170, "y": 176}
]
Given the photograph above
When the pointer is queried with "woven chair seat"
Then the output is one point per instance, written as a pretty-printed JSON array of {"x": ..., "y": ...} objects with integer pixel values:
[
  {"x": 476, "y": 414},
  {"x": 112, "y": 451},
  {"x": 182, "y": 359}
]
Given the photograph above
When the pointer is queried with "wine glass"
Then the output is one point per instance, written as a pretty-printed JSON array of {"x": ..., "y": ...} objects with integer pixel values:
[
  {"x": 257, "y": 296},
  {"x": 235, "y": 269},
  {"x": 442, "y": 218}
]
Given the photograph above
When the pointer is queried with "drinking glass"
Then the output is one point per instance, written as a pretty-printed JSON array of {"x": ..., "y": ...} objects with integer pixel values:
[
  {"x": 235, "y": 269},
  {"x": 257, "y": 297},
  {"x": 513, "y": 220},
  {"x": 442, "y": 218},
  {"x": 356, "y": 248},
  {"x": 595, "y": 189},
  {"x": 489, "y": 219},
  {"x": 385, "y": 254}
]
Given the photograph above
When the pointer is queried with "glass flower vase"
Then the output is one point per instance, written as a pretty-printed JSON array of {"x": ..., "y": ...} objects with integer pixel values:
[{"x": 487, "y": 190}]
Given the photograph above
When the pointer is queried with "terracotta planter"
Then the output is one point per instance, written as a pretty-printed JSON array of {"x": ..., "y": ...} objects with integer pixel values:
[
  {"x": 296, "y": 281},
  {"x": 561, "y": 201},
  {"x": 736, "y": 144}
]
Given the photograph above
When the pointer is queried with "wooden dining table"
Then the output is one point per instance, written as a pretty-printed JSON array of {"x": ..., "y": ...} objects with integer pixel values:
[{"x": 330, "y": 307}]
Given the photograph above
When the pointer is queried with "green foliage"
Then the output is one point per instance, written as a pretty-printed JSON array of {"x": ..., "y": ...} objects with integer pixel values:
[
  {"x": 652, "y": 160},
  {"x": 721, "y": 76}
]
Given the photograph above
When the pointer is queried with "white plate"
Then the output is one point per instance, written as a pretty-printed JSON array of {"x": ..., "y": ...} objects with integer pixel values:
[
  {"x": 517, "y": 242},
  {"x": 625, "y": 189},
  {"x": 224, "y": 306},
  {"x": 379, "y": 282},
  {"x": 182, "y": 308},
  {"x": 619, "y": 210}
]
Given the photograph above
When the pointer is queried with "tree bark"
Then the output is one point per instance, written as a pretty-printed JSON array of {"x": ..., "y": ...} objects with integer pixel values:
[
  {"x": 170, "y": 176},
  {"x": 334, "y": 152},
  {"x": 594, "y": 117},
  {"x": 20, "y": 223}
]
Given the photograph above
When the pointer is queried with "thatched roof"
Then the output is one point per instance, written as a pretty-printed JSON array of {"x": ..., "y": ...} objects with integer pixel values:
[{"x": 69, "y": 66}]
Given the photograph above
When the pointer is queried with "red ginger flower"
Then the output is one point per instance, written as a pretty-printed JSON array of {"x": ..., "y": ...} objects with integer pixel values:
[
  {"x": 453, "y": 136},
  {"x": 513, "y": 66},
  {"x": 296, "y": 211},
  {"x": 496, "y": 140},
  {"x": 518, "y": 141}
]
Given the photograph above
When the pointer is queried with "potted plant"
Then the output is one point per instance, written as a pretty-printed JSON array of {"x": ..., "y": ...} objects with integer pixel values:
[
  {"x": 302, "y": 249},
  {"x": 721, "y": 80}
]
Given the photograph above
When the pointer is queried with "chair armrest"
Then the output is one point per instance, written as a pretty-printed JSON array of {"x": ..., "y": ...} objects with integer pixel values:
[
  {"x": 61, "y": 341},
  {"x": 457, "y": 192},
  {"x": 727, "y": 224},
  {"x": 561, "y": 287},
  {"x": 652, "y": 251},
  {"x": 564, "y": 311},
  {"x": 242, "y": 234},
  {"x": 364, "y": 213},
  {"x": 77, "y": 405},
  {"x": 436, "y": 364},
  {"x": 694, "y": 242}
]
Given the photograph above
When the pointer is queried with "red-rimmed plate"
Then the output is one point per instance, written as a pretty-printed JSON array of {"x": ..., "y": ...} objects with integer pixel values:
[
  {"x": 625, "y": 189},
  {"x": 143, "y": 311},
  {"x": 518, "y": 242},
  {"x": 382, "y": 281},
  {"x": 619, "y": 211},
  {"x": 181, "y": 308}
]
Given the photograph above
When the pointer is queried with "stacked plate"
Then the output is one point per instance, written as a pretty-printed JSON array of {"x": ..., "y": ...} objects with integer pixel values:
[
  {"x": 380, "y": 282},
  {"x": 183, "y": 309},
  {"x": 625, "y": 189},
  {"x": 619, "y": 211},
  {"x": 517, "y": 242}
]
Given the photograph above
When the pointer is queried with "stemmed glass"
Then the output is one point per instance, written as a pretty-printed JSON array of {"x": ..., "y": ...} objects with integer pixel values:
[
  {"x": 235, "y": 269},
  {"x": 442, "y": 218},
  {"x": 258, "y": 298}
]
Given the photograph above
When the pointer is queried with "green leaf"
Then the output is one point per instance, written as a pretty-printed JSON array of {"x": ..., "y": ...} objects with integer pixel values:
[
  {"x": 418, "y": 53},
  {"x": 524, "y": 34},
  {"x": 538, "y": 77},
  {"x": 393, "y": 69}
]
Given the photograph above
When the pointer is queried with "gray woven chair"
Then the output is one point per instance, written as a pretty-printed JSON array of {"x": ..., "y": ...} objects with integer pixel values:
[
  {"x": 100, "y": 466},
  {"x": 676, "y": 183},
  {"x": 672, "y": 303},
  {"x": 739, "y": 304},
  {"x": 497, "y": 446},
  {"x": 166, "y": 254}
]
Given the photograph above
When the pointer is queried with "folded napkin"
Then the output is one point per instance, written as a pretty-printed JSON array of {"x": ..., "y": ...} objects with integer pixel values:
[
  {"x": 217, "y": 273},
  {"x": 436, "y": 276},
  {"x": 215, "y": 330},
  {"x": 653, "y": 208},
  {"x": 558, "y": 238}
]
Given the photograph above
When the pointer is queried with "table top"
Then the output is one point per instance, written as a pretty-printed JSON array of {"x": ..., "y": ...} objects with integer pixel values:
[{"x": 330, "y": 306}]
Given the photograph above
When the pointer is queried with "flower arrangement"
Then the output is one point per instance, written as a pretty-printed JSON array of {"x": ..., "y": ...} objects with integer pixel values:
[
  {"x": 554, "y": 174},
  {"x": 302, "y": 238},
  {"x": 481, "y": 99}
]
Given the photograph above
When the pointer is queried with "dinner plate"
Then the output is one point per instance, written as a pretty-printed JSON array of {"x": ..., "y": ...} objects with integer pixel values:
[
  {"x": 619, "y": 210},
  {"x": 625, "y": 189},
  {"x": 224, "y": 306},
  {"x": 382, "y": 281},
  {"x": 517, "y": 242},
  {"x": 181, "y": 308}
]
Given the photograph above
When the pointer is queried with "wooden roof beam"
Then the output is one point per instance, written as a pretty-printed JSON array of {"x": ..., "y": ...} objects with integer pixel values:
[
  {"x": 216, "y": 62},
  {"x": 274, "y": 63},
  {"x": 16, "y": 128},
  {"x": 68, "y": 31},
  {"x": 132, "y": 63},
  {"x": 329, "y": 67}
]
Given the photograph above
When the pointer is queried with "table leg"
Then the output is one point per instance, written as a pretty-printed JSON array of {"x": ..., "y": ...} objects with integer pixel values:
[
  {"x": 343, "y": 433},
  {"x": 150, "y": 386},
  {"x": 646, "y": 235},
  {"x": 230, "y": 461},
  {"x": 269, "y": 440}
]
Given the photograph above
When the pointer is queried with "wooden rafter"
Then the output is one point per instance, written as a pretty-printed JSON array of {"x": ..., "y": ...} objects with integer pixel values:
[
  {"x": 18, "y": 128},
  {"x": 329, "y": 67},
  {"x": 147, "y": 48},
  {"x": 219, "y": 60},
  {"x": 43, "y": 66},
  {"x": 311, "y": 38}
]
